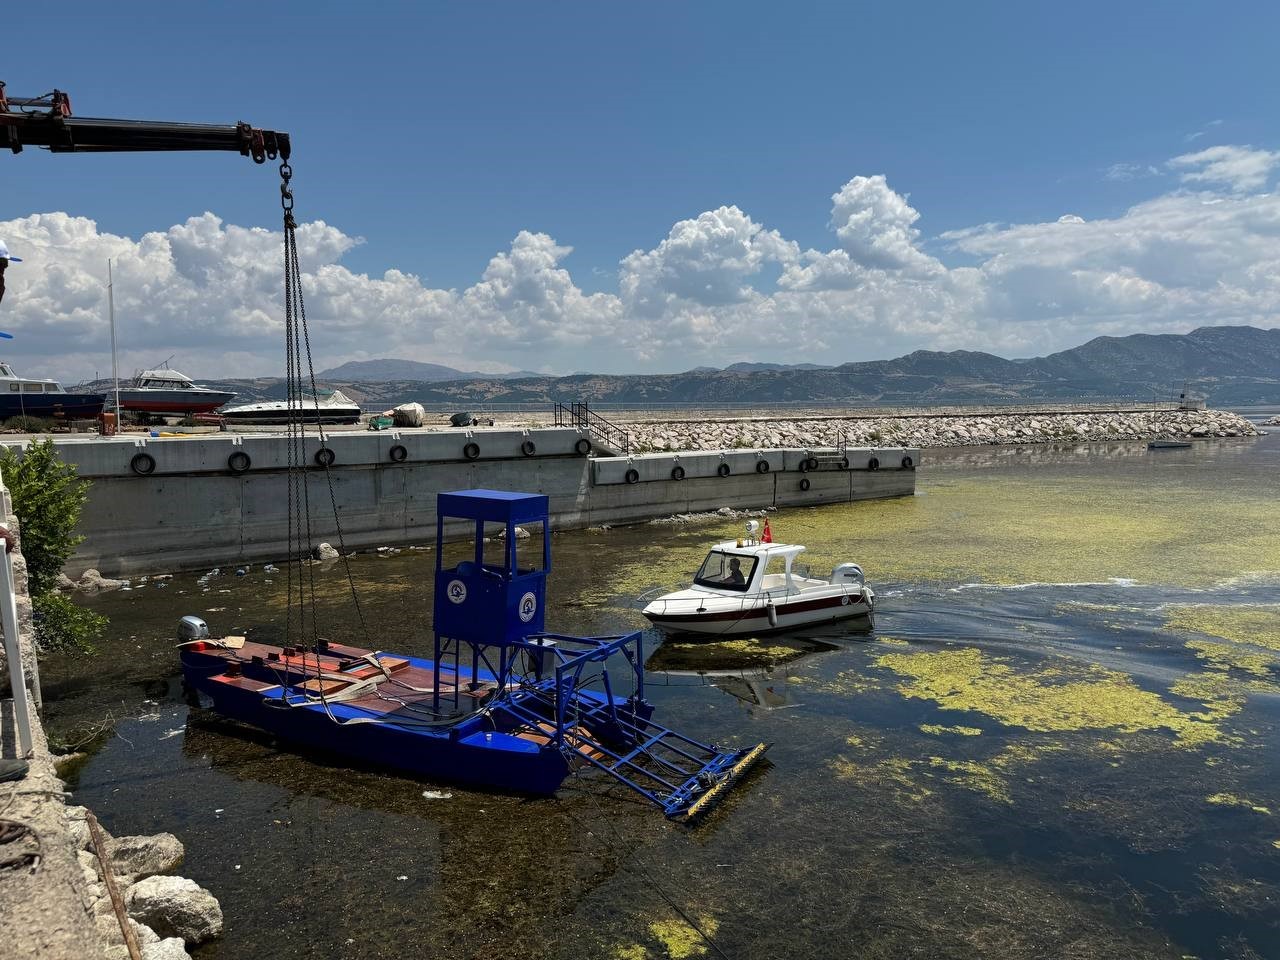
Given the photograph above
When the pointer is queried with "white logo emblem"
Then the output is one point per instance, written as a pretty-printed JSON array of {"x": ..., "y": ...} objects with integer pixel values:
[
  {"x": 457, "y": 591},
  {"x": 528, "y": 606}
]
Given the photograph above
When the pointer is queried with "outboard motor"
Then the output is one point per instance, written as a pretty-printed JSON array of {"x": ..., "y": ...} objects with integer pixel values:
[
  {"x": 192, "y": 628},
  {"x": 848, "y": 573}
]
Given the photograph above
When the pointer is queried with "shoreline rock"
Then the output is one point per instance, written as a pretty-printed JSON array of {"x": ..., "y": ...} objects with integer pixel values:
[{"x": 657, "y": 436}]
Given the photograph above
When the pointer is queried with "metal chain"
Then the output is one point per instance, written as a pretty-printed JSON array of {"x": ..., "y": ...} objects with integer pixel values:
[{"x": 298, "y": 347}]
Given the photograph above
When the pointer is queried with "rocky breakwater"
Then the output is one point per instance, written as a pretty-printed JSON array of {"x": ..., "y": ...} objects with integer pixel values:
[
  {"x": 934, "y": 431},
  {"x": 166, "y": 913}
]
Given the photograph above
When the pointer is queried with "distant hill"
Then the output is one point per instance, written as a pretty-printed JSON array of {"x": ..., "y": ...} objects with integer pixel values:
[
  {"x": 382, "y": 370},
  {"x": 1229, "y": 365},
  {"x": 756, "y": 367}
]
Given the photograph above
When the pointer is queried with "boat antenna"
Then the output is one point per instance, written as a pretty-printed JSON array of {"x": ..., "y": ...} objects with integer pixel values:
[{"x": 111, "y": 312}]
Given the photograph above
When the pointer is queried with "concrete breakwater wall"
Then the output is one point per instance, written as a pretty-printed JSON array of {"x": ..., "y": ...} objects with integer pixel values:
[
  {"x": 934, "y": 431},
  {"x": 165, "y": 504}
]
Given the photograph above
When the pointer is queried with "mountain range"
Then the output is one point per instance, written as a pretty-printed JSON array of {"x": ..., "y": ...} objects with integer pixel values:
[{"x": 1228, "y": 365}]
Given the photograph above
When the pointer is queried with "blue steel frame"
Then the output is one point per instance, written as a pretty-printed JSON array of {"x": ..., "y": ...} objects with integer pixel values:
[{"x": 483, "y": 606}]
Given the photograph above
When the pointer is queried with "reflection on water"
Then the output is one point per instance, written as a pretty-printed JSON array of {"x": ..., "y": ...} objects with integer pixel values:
[{"x": 1060, "y": 740}]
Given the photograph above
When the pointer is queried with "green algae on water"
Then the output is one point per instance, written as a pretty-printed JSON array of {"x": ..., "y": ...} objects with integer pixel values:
[
  {"x": 938, "y": 730},
  {"x": 1070, "y": 697}
]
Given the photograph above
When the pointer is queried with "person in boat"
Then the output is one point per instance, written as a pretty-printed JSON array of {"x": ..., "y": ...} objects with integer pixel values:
[{"x": 735, "y": 578}]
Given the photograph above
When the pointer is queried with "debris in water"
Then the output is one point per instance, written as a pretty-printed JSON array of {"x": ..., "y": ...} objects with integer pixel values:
[{"x": 437, "y": 794}]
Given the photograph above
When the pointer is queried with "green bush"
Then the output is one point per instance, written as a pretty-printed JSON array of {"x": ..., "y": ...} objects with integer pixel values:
[
  {"x": 29, "y": 424},
  {"x": 47, "y": 497},
  {"x": 61, "y": 625}
]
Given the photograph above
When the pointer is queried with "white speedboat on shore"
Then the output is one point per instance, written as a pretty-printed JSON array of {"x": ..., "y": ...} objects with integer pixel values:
[
  {"x": 752, "y": 587},
  {"x": 329, "y": 407}
]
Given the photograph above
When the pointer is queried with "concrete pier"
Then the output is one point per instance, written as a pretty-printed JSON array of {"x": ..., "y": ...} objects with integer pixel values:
[{"x": 161, "y": 504}]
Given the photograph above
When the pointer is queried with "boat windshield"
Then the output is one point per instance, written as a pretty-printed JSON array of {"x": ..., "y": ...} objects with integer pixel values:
[{"x": 725, "y": 571}]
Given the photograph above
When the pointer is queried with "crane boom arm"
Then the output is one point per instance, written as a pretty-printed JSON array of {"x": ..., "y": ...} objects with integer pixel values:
[{"x": 47, "y": 122}]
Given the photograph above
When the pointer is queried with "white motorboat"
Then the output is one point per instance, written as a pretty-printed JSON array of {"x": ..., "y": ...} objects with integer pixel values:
[
  {"x": 328, "y": 407},
  {"x": 753, "y": 586}
]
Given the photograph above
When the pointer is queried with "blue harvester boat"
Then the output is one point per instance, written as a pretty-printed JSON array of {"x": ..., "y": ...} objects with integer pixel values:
[{"x": 501, "y": 704}]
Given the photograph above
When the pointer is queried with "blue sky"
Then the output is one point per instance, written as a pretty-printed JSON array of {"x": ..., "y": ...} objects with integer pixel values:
[{"x": 436, "y": 133}]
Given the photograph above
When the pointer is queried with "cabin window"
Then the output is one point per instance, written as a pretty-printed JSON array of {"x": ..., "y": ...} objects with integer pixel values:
[
  {"x": 496, "y": 555},
  {"x": 530, "y": 555},
  {"x": 50, "y": 388},
  {"x": 725, "y": 571},
  {"x": 32, "y": 387}
]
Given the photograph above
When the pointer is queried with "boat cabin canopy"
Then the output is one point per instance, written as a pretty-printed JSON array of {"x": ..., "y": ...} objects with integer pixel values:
[
  {"x": 169, "y": 379},
  {"x": 19, "y": 384},
  {"x": 732, "y": 567},
  {"x": 496, "y": 593}
]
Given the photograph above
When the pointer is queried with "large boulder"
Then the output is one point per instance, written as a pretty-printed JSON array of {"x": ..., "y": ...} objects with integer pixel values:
[
  {"x": 140, "y": 857},
  {"x": 325, "y": 551},
  {"x": 175, "y": 907},
  {"x": 91, "y": 581}
]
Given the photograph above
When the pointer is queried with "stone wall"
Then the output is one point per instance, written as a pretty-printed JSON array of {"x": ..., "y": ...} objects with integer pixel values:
[{"x": 933, "y": 431}]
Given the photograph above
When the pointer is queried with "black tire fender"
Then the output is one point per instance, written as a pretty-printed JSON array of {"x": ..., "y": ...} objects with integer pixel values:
[
  {"x": 239, "y": 462},
  {"x": 805, "y": 483},
  {"x": 762, "y": 466},
  {"x": 325, "y": 457},
  {"x": 873, "y": 463},
  {"x": 632, "y": 475},
  {"x": 398, "y": 453},
  {"x": 471, "y": 450},
  {"x": 143, "y": 464},
  {"x": 844, "y": 463},
  {"x": 528, "y": 448},
  {"x": 723, "y": 470},
  {"x": 677, "y": 472},
  {"x": 583, "y": 446},
  {"x": 908, "y": 463},
  {"x": 813, "y": 463}
]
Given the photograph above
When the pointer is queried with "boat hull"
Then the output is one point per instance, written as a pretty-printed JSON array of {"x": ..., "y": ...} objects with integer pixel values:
[
  {"x": 281, "y": 417},
  {"x": 475, "y": 751},
  {"x": 173, "y": 401},
  {"x": 61, "y": 405},
  {"x": 754, "y": 618}
]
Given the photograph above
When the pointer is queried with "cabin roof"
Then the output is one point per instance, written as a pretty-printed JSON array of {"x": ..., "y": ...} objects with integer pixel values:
[{"x": 760, "y": 549}]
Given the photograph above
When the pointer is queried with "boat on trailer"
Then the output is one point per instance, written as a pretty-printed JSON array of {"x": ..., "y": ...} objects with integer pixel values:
[
  {"x": 754, "y": 586},
  {"x": 500, "y": 703}
]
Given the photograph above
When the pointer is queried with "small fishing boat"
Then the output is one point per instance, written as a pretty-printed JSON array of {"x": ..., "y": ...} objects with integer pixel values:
[
  {"x": 500, "y": 703},
  {"x": 329, "y": 407},
  {"x": 1168, "y": 444},
  {"x": 168, "y": 391},
  {"x": 20, "y": 396},
  {"x": 753, "y": 586}
]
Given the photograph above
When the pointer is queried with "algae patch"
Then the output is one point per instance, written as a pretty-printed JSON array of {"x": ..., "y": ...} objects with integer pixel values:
[
  {"x": 1070, "y": 697},
  {"x": 938, "y": 730},
  {"x": 1233, "y": 800}
]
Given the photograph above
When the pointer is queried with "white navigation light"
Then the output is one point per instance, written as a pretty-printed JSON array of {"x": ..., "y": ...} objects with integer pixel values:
[{"x": 753, "y": 528}]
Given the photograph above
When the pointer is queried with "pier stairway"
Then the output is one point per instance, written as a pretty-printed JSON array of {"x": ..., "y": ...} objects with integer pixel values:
[{"x": 606, "y": 436}]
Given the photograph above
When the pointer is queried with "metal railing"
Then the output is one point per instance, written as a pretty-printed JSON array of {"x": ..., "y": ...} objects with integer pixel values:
[{"x": 578, "y": 414}]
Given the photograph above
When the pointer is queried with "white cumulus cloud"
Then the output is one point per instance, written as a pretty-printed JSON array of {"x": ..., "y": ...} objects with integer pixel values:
[
  {"x": 1240, "y": 168},
  {"x": 718, "y": 287}
]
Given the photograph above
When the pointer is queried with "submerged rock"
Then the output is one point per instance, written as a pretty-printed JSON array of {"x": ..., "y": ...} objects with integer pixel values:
[
  {"x": 139, "y": 857},
  {"x": 175, "y": 907},
  {"x": 91, "y": 581}
]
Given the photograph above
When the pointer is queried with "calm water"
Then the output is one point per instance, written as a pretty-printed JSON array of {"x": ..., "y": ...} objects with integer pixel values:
[{"x": 1059, "y": 741}]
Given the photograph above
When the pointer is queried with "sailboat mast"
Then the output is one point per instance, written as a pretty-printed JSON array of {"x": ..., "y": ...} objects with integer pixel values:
[{"x": 111, "y": 311}]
